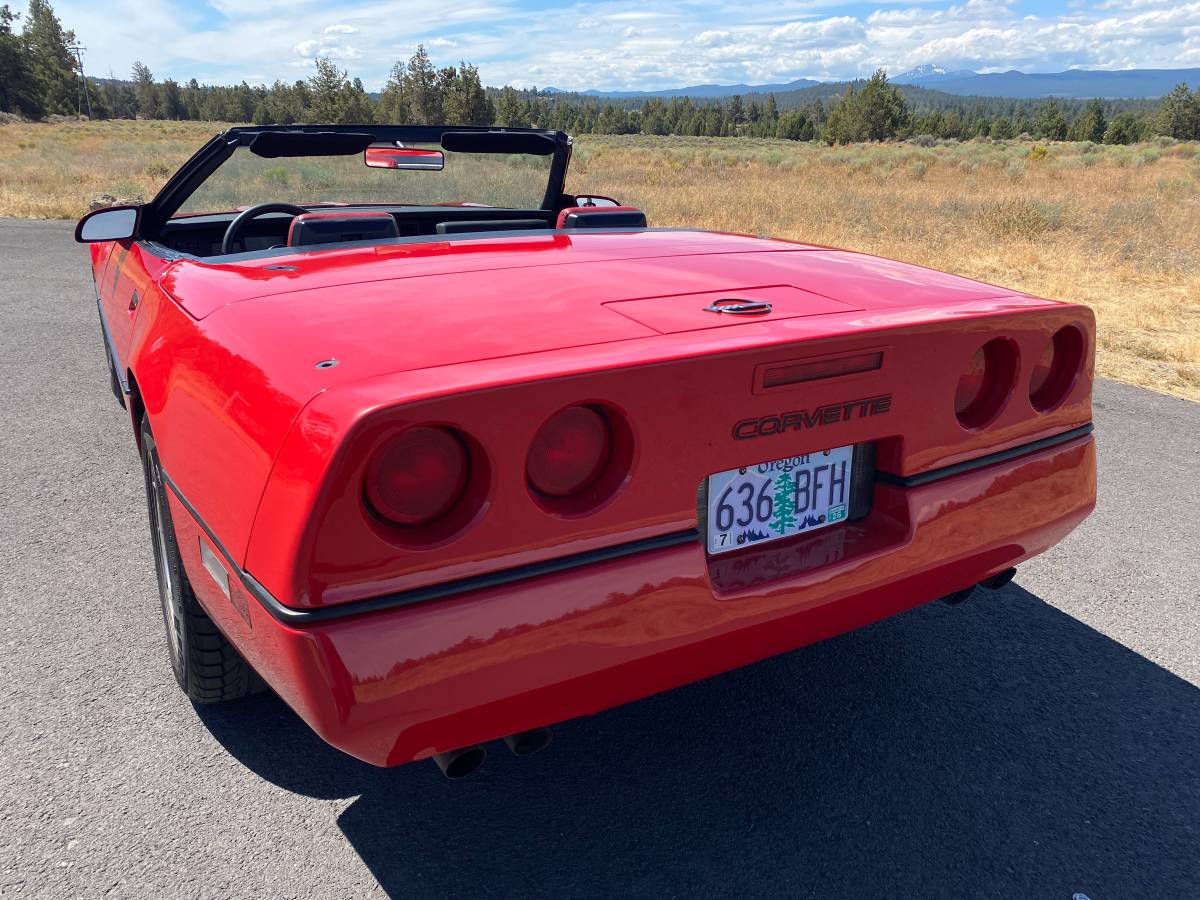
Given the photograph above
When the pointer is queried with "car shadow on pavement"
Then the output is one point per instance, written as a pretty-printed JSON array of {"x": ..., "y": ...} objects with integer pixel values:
[{"x": 999, "y": 748}]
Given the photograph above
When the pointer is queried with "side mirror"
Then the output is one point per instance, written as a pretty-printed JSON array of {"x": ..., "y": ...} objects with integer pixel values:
[
  {"x": 595, "y": 200},
  {"x": 115, "y": 223},
  {"x": 403, "y": 158}
]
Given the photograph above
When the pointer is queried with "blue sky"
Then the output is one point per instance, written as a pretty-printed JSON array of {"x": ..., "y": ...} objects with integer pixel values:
[{"x": 635, "y": 44}]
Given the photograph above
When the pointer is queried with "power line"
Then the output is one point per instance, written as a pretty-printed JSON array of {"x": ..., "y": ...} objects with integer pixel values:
[{"x": 78, "y": 49}]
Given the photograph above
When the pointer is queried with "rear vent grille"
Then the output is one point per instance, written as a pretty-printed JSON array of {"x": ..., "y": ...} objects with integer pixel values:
[{"x": 778, "y": 375}]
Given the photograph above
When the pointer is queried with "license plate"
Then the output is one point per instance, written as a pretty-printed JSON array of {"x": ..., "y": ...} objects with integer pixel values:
[{"x": 773, "y": 500}]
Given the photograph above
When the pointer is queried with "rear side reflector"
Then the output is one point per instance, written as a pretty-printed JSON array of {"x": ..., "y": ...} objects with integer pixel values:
[{"x": 782, "y": 374}]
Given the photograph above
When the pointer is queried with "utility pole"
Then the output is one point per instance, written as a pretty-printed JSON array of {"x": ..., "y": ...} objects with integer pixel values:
[{"x": 78, "y": 49}]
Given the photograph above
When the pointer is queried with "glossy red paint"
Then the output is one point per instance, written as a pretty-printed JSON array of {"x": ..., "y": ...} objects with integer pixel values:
[{"x": 490, "y": 338}]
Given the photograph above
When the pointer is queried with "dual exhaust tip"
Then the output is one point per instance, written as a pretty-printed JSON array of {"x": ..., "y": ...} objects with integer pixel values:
[
  {"x": 994, "y": 583},
  {"x": 460, "y": 763}
]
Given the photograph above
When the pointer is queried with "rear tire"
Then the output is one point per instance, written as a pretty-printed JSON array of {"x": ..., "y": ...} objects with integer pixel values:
[{"x": 206, "y": 665}]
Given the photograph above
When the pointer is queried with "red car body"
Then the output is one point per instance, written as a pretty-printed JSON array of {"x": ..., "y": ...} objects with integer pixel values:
[{"x": 270, "y": 388}]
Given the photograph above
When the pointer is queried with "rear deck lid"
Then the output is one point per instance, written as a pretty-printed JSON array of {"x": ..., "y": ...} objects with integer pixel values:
[{"x": 721, "y": 309}]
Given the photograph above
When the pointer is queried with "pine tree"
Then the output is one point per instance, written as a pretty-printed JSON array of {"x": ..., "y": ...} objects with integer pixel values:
[
  {"x": 355, "y": 107},
  {"x": 1001, "y": 128},
  {"x": 327, "y": 86},
  {"x": 1091, "y": 124},
  {"x": 466, "y": 102},
  {"x": 423, "y": 88},
  {"x": 146, "y": 91},
  {"x": 509, "y": 109},
  {"x": 1050, "y": 123},
  {"x": 18, "y": 90},
  {"x": 877, "y": 112},
  {"x": 393, "y": 102},
  {"x": 52, "y": 65},
  {"x": 1179, "y": 114},
  {"x": 1125, "y": 128},
  {"x": 171, "y": 100}
]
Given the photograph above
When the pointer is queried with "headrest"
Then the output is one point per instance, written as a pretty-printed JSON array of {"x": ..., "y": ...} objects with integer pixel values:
[
  {"x": 461, "y": 226},
  {"x": 601, "y": 217},
  {"x": 335, "y": 225}
]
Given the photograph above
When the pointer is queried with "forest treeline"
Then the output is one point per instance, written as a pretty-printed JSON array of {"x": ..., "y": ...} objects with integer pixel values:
[{"x": 39, "y": 77}]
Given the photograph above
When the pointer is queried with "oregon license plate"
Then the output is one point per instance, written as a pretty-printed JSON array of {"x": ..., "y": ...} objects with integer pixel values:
[{"x": 773, "y": 500}]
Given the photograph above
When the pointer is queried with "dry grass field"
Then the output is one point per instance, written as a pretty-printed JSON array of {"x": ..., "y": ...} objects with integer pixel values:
[{"x": 1114, "y": 227}]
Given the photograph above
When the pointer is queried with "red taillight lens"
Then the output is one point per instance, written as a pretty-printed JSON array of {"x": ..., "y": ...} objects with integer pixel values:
[
  {"x": 570, "y": 452},
  {"x": 1054, "y": 372},
  {"x": 986, "y": 383},
  {"x": 418, "y": 476},
  {"x": 970, "y": 383}
]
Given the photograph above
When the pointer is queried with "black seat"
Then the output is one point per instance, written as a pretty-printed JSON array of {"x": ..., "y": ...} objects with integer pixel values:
[{"x": 460, "y": 226}]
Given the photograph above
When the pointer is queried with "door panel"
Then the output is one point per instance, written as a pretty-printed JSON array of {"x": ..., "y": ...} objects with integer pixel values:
[{"x": 128, "y": 277}]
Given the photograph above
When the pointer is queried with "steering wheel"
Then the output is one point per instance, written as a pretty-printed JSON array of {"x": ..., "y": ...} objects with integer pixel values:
[{"x": 233, "y": 232}]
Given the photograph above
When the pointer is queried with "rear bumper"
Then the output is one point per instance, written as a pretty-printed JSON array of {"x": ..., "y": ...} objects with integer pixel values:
[{"x": 392, "y": 686}]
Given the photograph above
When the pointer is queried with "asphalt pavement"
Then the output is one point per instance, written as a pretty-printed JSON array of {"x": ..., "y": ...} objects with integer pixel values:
[{"x": 1040, "y": 741}]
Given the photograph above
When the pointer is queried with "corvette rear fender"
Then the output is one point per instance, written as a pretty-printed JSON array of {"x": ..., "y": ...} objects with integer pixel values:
[{"x": 217, "y": 418}]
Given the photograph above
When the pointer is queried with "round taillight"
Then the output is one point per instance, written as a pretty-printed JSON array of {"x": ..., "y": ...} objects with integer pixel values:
[
  {"x": 986, "y": 383},
  {"x": 418, "y": 476},
  {"x": 570, "y": 452},
  {"x": 1054, "y": 373}
]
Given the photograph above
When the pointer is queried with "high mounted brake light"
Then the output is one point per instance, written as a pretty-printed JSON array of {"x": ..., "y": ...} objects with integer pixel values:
[{"x": 815, "y": 369}]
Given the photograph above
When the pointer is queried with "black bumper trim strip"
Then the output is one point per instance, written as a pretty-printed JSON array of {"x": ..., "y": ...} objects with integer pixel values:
[
  {"x": 980, "y": 462},
  {"x": 289, "y": 615}
]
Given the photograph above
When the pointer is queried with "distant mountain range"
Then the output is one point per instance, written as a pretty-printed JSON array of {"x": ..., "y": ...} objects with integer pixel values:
[
  {"x": 1072, "y": 84},
  {"x": 698, "y": 90}
]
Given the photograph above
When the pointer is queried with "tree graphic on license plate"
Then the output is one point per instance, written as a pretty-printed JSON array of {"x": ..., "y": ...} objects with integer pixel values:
[{"x": 784, "y": 503}]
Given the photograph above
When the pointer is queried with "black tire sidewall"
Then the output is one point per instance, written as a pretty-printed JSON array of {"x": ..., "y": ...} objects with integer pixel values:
[{"x": 166, "y": 553}]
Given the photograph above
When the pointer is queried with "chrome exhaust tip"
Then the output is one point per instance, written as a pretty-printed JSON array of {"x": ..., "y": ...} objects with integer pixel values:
[
  {"x": 460, "y": 763},
  {"x": 958, "y": 596},
  {"x": 998, "y": 580},
  {"x": 527, "y": 743}
]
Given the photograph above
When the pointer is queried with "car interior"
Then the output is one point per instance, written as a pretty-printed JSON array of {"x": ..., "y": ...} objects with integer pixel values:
[{"x": 204, "y": 235}]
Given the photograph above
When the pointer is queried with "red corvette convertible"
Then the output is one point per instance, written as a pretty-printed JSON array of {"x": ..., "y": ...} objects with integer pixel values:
[{"x": 443, "y": 454}]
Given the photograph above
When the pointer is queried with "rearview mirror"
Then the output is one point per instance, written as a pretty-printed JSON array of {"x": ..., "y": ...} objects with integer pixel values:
[
  {"x": 403, "y": 158},
  {"x": 116, "y": 223}
]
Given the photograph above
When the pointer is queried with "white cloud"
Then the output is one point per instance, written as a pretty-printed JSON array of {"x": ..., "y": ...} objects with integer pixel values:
[
  {"x": 840, "y": 29},
  {"x": 629, "y": 43},
  {"x": 712, "y": 38}
]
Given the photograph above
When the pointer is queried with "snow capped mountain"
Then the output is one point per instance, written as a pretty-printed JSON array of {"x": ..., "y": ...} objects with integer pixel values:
[{"x": 929, "y": 72}]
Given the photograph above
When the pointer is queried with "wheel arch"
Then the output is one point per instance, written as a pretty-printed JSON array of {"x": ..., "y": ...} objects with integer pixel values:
[{"x": 135, "y": 406}]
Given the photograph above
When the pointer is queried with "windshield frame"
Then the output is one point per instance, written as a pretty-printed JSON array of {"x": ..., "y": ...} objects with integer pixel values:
[{"x": 209, "y": 158}]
